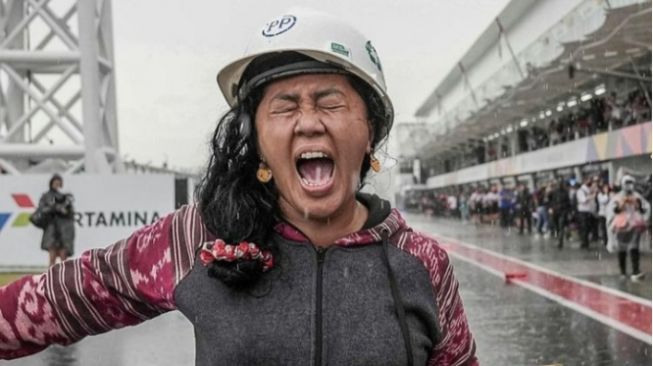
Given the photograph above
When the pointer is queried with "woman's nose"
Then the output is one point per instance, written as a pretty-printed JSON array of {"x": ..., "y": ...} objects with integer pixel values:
[{"x": 309, "y": 123}]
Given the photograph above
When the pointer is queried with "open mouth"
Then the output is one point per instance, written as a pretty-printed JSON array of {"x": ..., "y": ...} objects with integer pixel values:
[{"x": 315, "y": 169}]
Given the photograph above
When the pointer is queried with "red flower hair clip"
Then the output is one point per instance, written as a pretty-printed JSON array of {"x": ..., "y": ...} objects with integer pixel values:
[{"x": 221, "y": 251}]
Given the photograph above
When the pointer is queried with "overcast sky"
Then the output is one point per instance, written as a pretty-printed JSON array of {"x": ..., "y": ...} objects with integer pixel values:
[{"x": 167, "y": 53}]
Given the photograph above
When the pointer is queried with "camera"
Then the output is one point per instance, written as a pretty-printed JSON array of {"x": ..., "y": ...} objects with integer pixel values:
[{"x": 60, "y": 198}]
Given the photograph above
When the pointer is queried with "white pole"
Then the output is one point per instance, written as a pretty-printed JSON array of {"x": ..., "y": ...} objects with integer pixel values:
[{"x": 90, "y": 77}]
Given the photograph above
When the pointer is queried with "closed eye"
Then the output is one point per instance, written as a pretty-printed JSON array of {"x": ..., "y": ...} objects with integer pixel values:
[
  {"x": 332, "y": 107},
  {"x": 283, "y": 110},
  {"x": 284, "y": 104}
]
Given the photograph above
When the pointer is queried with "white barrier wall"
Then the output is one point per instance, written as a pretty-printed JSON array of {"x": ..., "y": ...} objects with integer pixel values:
[{"x": 107, "y": 208}]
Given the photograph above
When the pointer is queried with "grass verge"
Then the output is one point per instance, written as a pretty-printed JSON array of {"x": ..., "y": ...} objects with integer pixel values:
[{"x": 6, "y": 278}]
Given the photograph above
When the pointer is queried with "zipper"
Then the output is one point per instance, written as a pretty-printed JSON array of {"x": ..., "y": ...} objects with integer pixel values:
[{"x": 321, "y": 252}]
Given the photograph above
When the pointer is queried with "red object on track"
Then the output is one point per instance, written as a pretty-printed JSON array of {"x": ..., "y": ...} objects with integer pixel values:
[{"x": 509, "y": 277}]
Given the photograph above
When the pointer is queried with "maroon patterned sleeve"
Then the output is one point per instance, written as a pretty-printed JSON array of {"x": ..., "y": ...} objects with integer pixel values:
[
  {"x": 123, "y": 284},
  {"x": 456, "y": 344}
]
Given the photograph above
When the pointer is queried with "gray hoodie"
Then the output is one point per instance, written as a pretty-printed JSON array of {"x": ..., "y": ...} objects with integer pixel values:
[{"x": 380, "y": 296}]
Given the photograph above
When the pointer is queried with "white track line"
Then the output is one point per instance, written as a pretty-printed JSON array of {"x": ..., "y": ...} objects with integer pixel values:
[
  {"x": 644, "y": 337},
  {"x": 610, "y": 290}
]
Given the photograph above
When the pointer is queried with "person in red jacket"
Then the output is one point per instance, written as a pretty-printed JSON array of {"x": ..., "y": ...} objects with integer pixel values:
[{"x": 282, "y": 261}]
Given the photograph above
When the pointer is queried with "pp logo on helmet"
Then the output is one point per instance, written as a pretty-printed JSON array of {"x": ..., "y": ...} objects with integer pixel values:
[{"x": 278, "y": 26}]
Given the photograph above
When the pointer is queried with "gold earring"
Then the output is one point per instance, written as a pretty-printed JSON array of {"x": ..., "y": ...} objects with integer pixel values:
[
  {"x": 375, "y": 163},
  {"x": 263, "y": 174}
]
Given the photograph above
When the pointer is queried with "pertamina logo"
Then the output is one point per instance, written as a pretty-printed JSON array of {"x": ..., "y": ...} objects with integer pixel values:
[
  {"x": 24, "y": 202},
  {"x": 83, "y": 219}
]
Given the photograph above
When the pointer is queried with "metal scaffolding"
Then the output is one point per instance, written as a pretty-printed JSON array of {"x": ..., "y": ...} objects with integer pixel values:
[{"x": 57, "y": 87}]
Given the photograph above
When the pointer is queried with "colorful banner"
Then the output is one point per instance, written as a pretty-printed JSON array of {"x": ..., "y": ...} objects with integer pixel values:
[
  {"x": 107, "y": 209},
  {"x": 628, "y": 141}
]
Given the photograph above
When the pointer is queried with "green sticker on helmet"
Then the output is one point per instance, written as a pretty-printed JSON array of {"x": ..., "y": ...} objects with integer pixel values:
[
  {"x": 373, "y": 55},
  {"x": 338, "y": 48}
]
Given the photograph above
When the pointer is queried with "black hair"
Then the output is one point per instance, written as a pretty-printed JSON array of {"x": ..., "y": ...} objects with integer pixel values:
[
  {"x": 54, "y": 178},
  {"x": 233, "y": 204}
]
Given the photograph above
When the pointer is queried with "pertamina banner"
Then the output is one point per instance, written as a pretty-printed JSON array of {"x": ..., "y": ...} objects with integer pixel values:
[{"x": 107, "y": 208}]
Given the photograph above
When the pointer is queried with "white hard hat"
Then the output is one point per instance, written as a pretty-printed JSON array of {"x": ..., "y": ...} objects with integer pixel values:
[
  {"x": 627, "y": 179},
  {"x": 336, "y": 45}
]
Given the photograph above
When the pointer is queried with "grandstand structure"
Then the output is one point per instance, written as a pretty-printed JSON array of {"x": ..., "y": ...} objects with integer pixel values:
[{"x": 538, "y": 66}]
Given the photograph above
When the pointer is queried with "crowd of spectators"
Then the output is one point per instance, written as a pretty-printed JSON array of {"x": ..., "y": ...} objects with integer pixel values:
[
  {"x": 600, "y": 115},
  {"x": 552, "y": 210}
]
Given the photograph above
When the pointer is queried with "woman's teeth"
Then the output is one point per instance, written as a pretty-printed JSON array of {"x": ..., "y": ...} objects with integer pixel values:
[
  {"x": 312, "y": 184},
  {"x": 313, "y": 155}
]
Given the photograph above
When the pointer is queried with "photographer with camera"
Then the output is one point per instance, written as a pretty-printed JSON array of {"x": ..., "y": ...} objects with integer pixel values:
[{"x": 55, "y": 215}]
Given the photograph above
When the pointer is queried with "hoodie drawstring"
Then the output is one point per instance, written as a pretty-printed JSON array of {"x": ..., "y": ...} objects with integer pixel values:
[{"x": 396, "y": 297}]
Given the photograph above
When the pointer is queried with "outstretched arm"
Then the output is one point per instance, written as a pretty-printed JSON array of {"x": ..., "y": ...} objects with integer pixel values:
[
  {"x": 456, "y": 346},
  {"x": 123, "y": 284}
]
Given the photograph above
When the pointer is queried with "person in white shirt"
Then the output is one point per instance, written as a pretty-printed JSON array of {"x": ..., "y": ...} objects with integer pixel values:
[
  {"x": 586, "y": 207},
  {"x": 476, "y": 205},
  {"x": 603, "y": 198},
  {"x": 452, "y": 205},
  {"x": 491, "y": 205}
]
